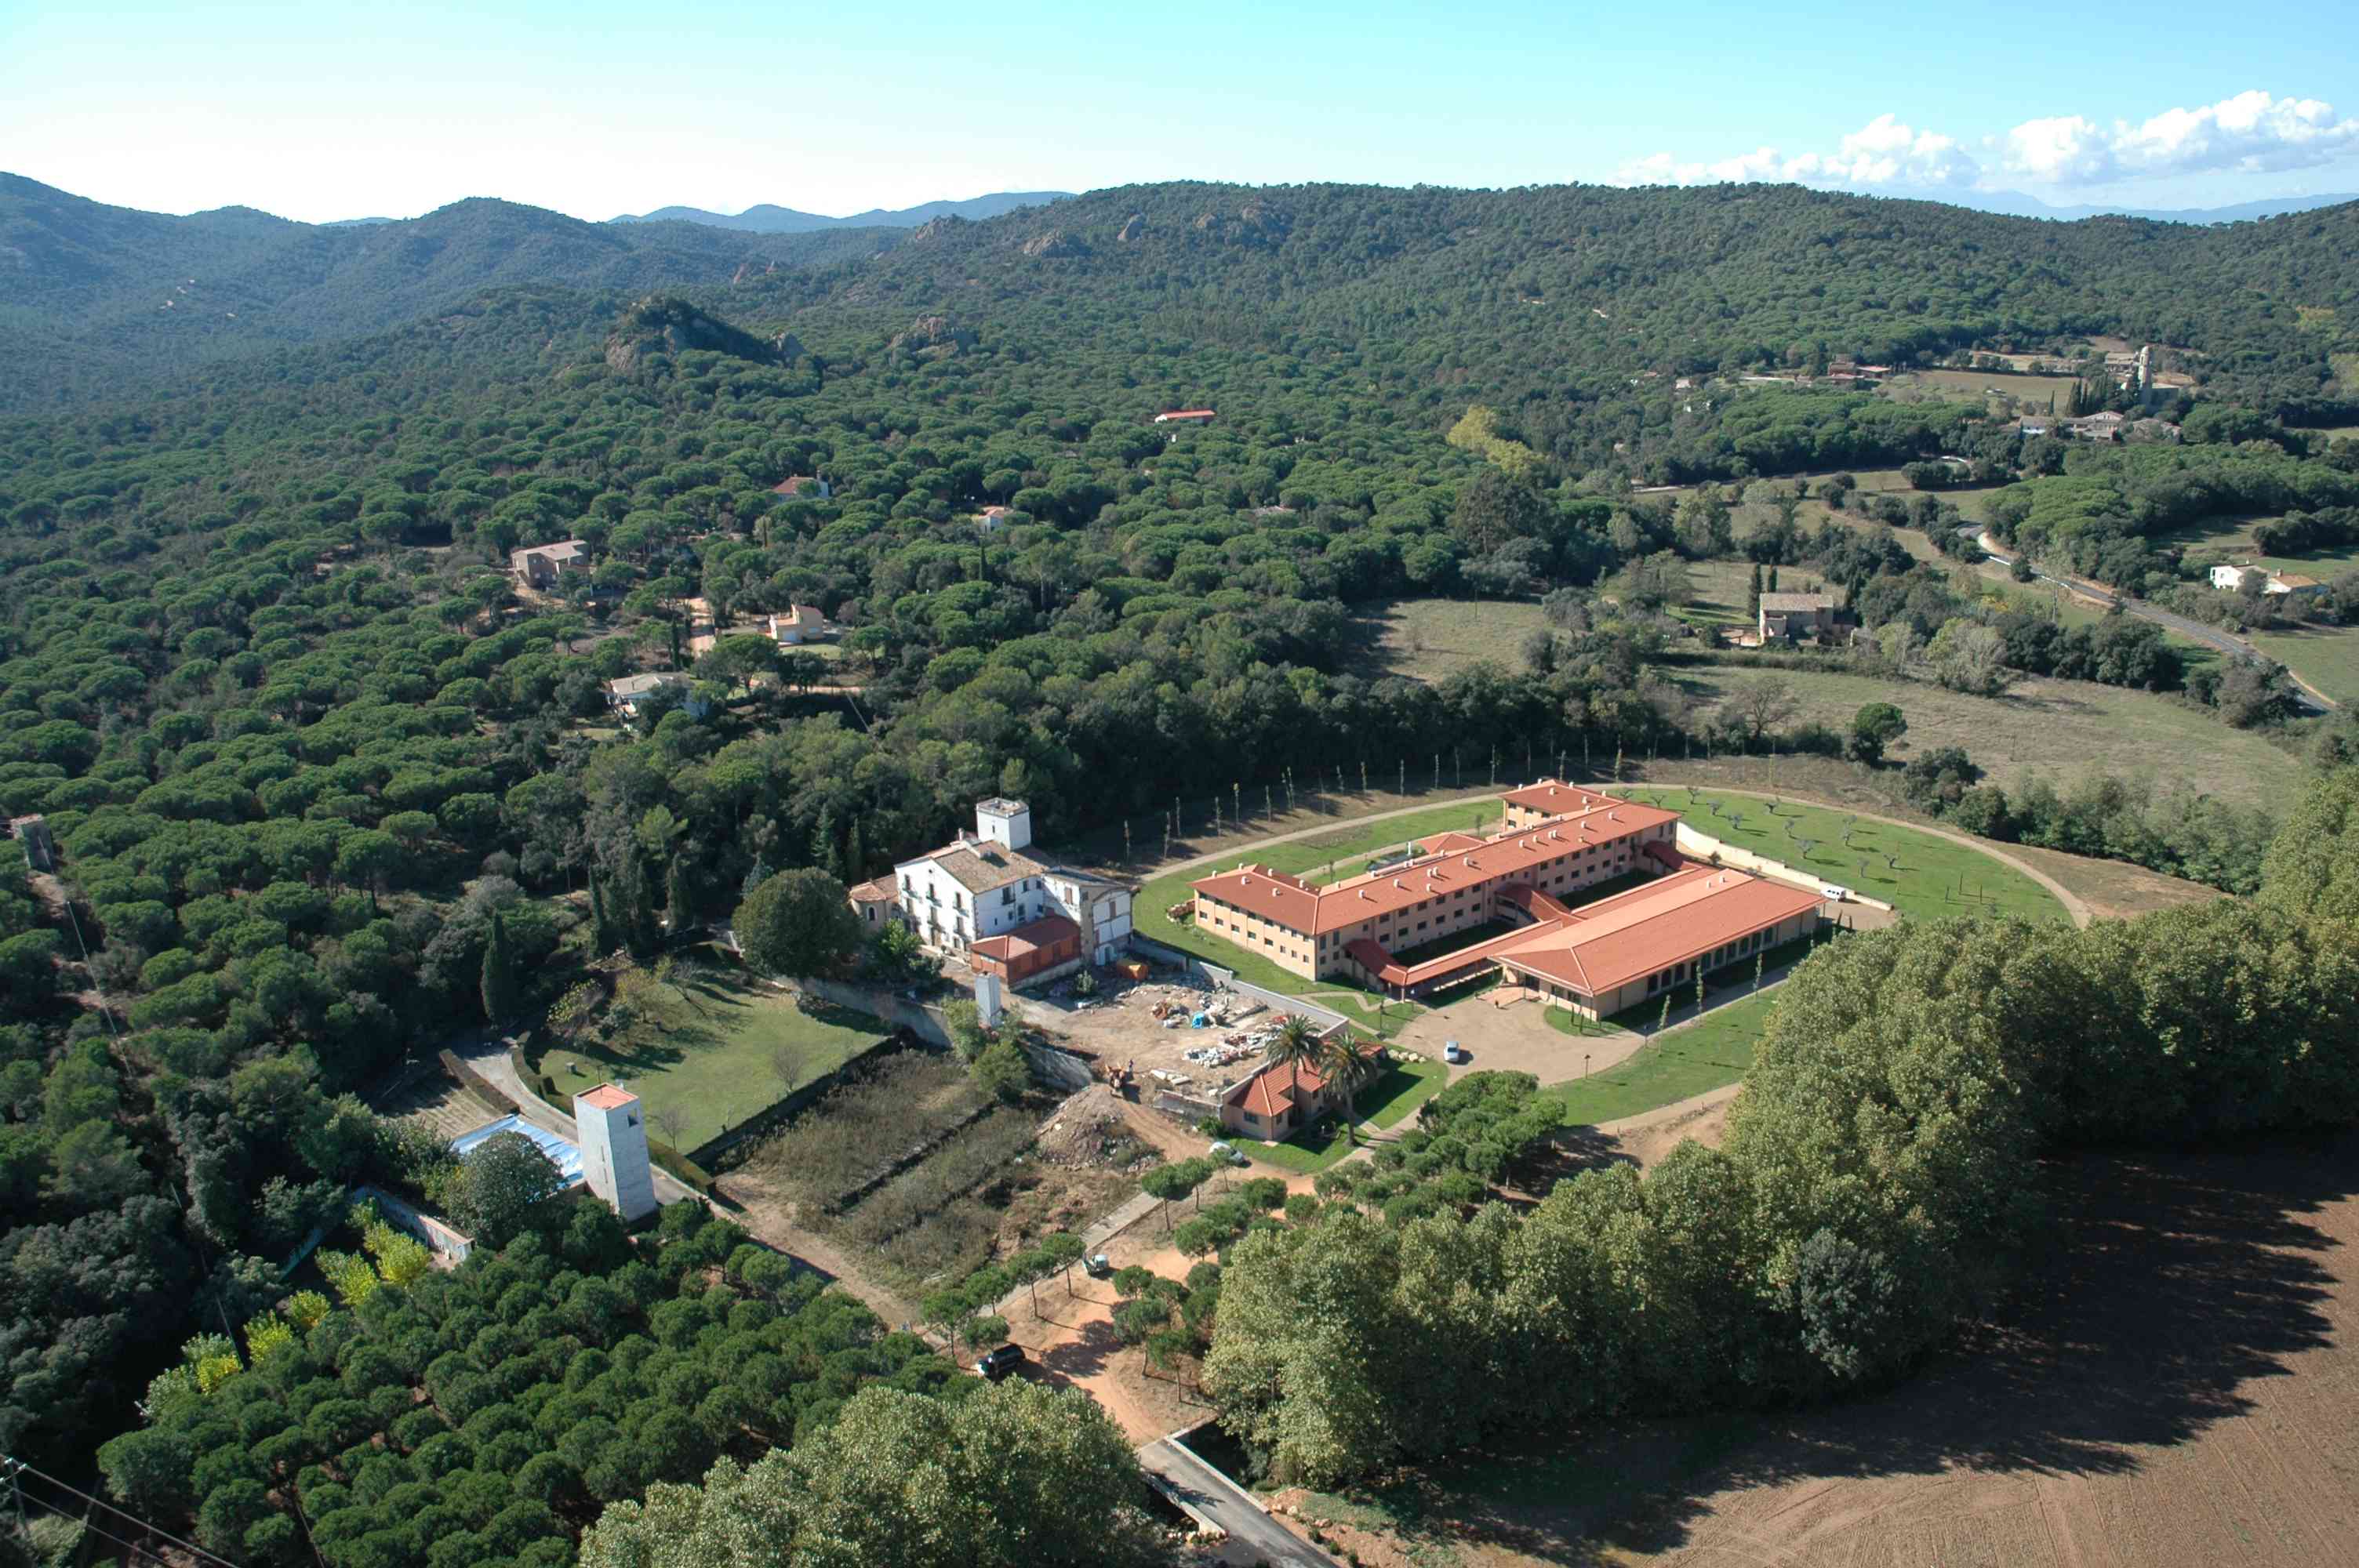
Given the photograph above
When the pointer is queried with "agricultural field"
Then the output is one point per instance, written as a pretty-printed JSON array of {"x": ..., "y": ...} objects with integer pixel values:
[
  {"x": 1721, "y": 588},
  {"x": 1428, "y": 639},
  {"x": 915, "y": 1173},
  {"x": 2016, "y": 392},
  {"x": 707, "y": 1048},
  {"x": 2057, "y": 727},
  {"x": 2170, "y": 1390}
]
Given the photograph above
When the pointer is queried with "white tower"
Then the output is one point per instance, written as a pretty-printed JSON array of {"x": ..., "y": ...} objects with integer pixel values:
[
  {"x": 987, "y": 1001},
  {"x": 1007, "y": 823},
  {"x": 614, "y": 1149}
]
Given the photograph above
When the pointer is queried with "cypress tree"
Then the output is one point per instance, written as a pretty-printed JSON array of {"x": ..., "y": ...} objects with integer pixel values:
[
  {"x": 642, "y": 932},
  {"x": 825, "y": 852},
  {"x": 499, "y": 973},
  {"x": 602, "y": 927},
  {"x": 855, "y": 855},
  {"x": 680, "y": 899}
]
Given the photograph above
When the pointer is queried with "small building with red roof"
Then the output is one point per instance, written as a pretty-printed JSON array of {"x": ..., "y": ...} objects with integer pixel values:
[
  {"x": 1275, "y": 1103},
  {"x": 1037, "y": 949}
]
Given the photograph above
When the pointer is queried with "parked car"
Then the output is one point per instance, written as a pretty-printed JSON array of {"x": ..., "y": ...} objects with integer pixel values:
[
  {"x": 1227, "y": 1154},
  {"x": 1452, "y": 1052},
  {"x": 997, "y": 1364},
  {"x": 1834, "y": 892},
  {"x": 1098, "y": 1265}
]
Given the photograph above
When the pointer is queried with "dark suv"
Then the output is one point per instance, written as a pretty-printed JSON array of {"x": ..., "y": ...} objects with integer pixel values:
[{"x": 999, "y": 1363}]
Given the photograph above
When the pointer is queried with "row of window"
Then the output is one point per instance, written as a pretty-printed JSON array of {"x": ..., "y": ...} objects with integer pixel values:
[{"x": 1727, "y": 953}]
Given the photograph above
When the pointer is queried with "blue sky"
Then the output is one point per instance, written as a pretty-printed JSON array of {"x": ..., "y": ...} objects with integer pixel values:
[{"x": 327, "y": 110}]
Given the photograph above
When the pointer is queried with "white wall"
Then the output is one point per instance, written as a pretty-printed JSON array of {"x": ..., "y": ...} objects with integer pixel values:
[{"x": 615, "y": 1155}]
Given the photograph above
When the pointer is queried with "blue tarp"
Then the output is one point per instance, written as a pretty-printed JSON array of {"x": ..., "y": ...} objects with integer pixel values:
[{"x": 563, "y": 1156}]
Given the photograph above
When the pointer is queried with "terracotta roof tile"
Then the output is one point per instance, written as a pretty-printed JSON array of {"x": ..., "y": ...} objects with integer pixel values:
[
  {"x": 1635, "y": 934},
  {"x": 1028, "y": 938},
  {"x": 1270, "y": 1092},
  {"x": 1509, "y": 857}
]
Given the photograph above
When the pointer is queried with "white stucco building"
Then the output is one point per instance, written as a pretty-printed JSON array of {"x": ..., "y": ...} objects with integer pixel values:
[{"x": 987, "y": 886}]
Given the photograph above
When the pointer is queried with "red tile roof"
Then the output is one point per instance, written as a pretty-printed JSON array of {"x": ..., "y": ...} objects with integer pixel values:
[
  {"x": 1635, "y": 934},
  {"x": 1553, "y": 799},
  {"x": 1270, "y": 1092},
  {"x": 1509, "y": 857},
  {"x": 1186, "y": 414},
  {"x": 877, "y": 889},
  {"x": 606, "y": 1097},
  {"x": 1029, "y": 937}
]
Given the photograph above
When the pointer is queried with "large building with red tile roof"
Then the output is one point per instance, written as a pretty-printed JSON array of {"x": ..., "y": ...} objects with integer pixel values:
[{"x": 1560, "y": 842}]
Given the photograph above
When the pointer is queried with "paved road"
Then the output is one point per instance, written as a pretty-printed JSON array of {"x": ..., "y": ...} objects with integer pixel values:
[
  {"x": 2210, "y": 636},
  {"x": 1204, "y": 1492}
]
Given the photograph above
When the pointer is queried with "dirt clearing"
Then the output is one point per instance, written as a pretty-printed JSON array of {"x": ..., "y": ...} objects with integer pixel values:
[{"x": 2176, "y": 1388}]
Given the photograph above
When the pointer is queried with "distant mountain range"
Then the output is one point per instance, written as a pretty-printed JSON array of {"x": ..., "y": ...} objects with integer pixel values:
[
  {"x": 92, "y": 296},
  {"x": 768, "y": 220},
  {"x": 96, "y": 301},
  {"x": 2015, "y": 204}
]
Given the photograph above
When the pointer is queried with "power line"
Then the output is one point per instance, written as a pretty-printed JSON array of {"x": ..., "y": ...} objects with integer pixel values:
[{"x": 17, "y": 1469}]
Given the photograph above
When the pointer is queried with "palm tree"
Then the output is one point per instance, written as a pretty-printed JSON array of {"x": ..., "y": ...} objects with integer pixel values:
[
  {"x": 1296, "y": 1047},
  {"x": 1346, "y": 1065}
]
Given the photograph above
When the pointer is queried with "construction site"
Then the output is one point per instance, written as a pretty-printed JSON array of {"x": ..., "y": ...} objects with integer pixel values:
[{"x": 1172, "y": 1041}]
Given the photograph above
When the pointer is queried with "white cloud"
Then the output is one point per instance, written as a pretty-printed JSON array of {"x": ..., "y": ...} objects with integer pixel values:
[{"x": 2251, "y": 132}]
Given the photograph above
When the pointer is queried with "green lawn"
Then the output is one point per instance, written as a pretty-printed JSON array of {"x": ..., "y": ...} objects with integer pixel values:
[
  {"x": 2235, "y": 535},
  {"x": 2325, "y": 656},
  {"x": 2057, "y": 729},
  {"x": 1324, "y": 857},
  {"x": 1682, "y": 1062},
  {"x": 717, "y": 1049},
  {"x": 1917, "y": 873},
  {"x": 1386, "y": 1103}
]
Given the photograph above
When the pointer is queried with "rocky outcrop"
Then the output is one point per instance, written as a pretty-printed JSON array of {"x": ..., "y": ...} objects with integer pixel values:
[
  {"x": 932, "y": 337},
  {"x": 1054, "y": 244},
  {"x": 1132, "y": 229},
  {"x": 1252, "y": 224},
  {"x": 661, "y": 325}
]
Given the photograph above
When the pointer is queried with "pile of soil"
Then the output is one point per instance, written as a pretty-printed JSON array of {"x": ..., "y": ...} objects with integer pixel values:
[{"x": 1089, "y": 1132}]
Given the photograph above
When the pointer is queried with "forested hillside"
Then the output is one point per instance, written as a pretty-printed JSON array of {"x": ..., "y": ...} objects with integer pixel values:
[
  {"x": 305, "y": 746},
  {"x": 93, "y": 299}
]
